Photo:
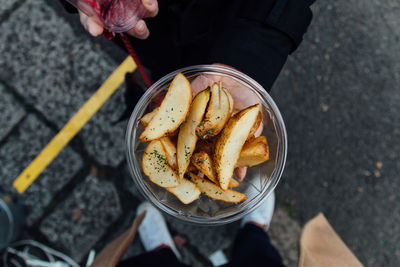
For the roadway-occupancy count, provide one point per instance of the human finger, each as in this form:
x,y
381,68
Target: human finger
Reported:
x,y
140,31
90,24
241,172
151,7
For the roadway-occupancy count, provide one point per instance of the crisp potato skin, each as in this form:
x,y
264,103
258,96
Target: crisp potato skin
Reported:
x,y
233,183
231,101
217,114
155,166
187,137
231,141
202,161
145,120
186,191
170,151
172,111
215,192
254,152
255,127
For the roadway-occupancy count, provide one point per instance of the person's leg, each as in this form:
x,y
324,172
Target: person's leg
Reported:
x,y
156,239
252,246
159,257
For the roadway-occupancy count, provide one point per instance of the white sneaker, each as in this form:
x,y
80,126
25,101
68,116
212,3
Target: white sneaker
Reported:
x,y
263,214
153,230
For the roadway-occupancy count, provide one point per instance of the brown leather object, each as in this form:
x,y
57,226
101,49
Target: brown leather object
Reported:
x,y
112,253
320,246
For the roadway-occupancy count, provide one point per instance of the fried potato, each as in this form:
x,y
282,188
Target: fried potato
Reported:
x,y
170,151
215,192
191,168
231,102
231,141
233,183
218,113
202,161
155,166
172,111
187,137
186,191
255,126
145,120
254,152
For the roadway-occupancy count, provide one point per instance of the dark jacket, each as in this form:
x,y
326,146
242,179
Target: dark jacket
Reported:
x,y
254,36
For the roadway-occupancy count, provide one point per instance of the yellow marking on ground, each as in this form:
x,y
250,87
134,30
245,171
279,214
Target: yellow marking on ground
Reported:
x,y
73,126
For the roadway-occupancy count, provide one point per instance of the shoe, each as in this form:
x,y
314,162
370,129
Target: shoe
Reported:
x,y
263,214
153,230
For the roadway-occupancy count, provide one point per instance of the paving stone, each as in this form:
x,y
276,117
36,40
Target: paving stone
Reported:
x,y
5,5
83,218
57,71
19,150
339,97
11,112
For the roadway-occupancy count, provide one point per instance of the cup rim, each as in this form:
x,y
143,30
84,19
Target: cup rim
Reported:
x,y
272,182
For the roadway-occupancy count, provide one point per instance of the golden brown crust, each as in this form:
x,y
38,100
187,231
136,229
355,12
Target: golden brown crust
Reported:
x,y
215,192
254,152
172,111
231,141
155,166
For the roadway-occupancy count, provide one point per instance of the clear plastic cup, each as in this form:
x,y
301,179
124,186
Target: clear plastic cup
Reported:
x,y
115,15
260,180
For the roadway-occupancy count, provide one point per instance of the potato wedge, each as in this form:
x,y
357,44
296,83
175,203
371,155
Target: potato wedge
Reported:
x,y
233,183
145,120
215,192
191,168
218,113
172,111
170,151
155,166
202,161
186,191
254,152
231,141
255,126
187,137
230,98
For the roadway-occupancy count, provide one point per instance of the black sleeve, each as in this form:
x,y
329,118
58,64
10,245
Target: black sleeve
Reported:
x,y
70,8
261,36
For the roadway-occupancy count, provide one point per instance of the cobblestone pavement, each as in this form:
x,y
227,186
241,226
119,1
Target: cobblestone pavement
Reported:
x,y
339,94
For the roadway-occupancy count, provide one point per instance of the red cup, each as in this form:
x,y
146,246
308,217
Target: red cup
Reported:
x,y
114,15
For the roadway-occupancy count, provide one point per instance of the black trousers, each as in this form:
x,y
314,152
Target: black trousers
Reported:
x,y
254,36
252,247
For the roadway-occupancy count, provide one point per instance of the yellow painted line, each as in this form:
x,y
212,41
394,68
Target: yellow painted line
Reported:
x,y
73,126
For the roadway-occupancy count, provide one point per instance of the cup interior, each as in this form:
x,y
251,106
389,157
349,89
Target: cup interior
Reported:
x,y
260,180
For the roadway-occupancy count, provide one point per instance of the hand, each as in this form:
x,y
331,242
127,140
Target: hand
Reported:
x,y
242,99
140,30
